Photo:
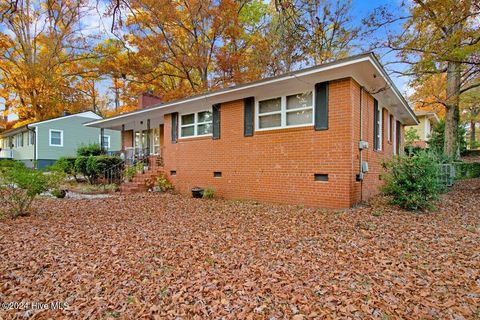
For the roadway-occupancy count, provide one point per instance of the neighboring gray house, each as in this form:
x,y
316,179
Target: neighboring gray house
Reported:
x,y
46,141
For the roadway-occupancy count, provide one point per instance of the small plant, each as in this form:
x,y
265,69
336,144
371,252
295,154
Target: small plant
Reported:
x,y
19,186
129,173
412,182
208,193
59,193
376,212
163,184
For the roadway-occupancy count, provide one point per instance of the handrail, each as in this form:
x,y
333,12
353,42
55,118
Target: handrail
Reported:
x,y
114,173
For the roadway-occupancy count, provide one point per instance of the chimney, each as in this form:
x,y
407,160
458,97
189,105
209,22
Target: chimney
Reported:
x,y
147,99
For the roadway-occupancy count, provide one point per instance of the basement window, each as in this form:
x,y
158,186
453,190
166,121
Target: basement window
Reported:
x,y
320,177
217,174
173,172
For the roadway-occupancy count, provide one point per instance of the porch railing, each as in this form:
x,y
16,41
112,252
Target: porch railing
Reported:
x,y
6,154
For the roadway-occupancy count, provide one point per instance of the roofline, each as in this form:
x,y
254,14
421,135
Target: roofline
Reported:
x,y
33,124
368,56
64,117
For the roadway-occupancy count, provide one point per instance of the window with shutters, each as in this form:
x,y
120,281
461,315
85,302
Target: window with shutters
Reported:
x,y
287,111
196,124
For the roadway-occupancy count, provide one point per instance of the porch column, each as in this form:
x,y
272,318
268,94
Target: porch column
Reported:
x,y
123,137
148,137
102,133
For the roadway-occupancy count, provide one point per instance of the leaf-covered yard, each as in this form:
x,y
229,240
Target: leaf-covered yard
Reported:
x,y
167,256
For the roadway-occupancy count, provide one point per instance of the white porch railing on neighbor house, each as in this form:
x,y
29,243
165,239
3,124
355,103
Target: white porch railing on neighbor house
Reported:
x,y
6,154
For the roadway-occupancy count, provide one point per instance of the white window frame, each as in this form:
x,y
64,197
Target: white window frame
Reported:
x,y
195,124
100,140
283,112
50,138
389,137
19,138
380,128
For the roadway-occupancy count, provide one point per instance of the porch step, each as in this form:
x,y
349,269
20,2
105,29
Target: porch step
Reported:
x,y
138,183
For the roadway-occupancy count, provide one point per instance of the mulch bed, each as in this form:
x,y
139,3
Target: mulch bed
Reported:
x,y
167,256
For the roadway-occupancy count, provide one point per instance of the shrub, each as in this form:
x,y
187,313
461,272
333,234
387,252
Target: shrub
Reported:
x,y
19,186
67,166
412,182
92,149
464,170
59,193
163,184
208,193
7,163
93,167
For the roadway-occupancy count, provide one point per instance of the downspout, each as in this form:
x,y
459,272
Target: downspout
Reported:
x,y
361,149
34,145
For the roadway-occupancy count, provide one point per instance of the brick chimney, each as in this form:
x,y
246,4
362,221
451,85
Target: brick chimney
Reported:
x,y
147,99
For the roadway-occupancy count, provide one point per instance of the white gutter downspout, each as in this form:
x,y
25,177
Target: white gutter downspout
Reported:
x,y
360,175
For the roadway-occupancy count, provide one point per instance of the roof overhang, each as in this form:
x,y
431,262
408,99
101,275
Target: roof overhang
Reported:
x,y
364,69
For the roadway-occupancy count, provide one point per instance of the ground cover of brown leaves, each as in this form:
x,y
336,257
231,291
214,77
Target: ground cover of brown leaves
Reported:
x,y
168,256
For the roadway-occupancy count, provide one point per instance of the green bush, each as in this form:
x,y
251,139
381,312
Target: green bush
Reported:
x,y
7,163
93,167
412,182
162,183
19,186
464,170
93,149
208,193
67,166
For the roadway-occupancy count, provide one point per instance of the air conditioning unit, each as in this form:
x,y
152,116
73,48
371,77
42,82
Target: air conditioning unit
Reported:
x,y
362,145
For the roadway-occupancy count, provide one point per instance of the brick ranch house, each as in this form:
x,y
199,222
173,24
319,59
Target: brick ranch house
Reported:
x,y
314,137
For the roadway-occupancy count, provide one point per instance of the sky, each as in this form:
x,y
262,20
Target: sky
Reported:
x,y
97,23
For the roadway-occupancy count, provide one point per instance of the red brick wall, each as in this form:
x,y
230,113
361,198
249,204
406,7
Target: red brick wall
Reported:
x,y
127,139
279,165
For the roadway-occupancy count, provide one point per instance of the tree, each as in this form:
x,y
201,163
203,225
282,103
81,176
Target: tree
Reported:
x,y
438,37
470,112
43,52
323,29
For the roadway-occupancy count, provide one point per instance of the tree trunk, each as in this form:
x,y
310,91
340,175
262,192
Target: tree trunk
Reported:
x,y
472,134
452,117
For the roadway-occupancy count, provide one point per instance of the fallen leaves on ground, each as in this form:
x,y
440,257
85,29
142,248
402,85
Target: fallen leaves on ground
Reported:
x,y
168,256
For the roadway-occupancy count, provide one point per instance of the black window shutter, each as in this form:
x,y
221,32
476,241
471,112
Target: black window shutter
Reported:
x,y
248,114
376,141
321,106
174,127
216,121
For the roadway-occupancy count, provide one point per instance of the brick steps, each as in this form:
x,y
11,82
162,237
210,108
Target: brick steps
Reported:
x,y
138,182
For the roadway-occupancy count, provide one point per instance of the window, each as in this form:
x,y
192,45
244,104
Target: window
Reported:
x,y
19,140
106,141
196,124
289,111
377,130
56,138
31,138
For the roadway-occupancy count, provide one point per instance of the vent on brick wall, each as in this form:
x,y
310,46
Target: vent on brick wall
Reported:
x,y
320,177
217,174
173,172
